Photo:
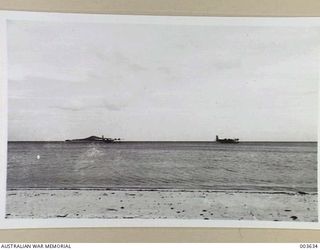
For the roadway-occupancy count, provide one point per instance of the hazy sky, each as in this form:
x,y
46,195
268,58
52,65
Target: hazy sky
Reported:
x,y
162,82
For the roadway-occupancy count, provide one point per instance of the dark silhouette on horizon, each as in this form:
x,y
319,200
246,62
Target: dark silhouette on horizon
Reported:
x,y
94,138
227,140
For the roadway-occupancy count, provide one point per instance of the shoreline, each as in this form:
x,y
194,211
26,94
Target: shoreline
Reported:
x,y
162,204
197,141
168,190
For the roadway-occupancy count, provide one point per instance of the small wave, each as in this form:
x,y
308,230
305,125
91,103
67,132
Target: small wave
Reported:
x,y
88,158
93,152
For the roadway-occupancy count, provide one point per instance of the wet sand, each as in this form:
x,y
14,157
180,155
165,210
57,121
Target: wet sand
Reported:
x,y
162,204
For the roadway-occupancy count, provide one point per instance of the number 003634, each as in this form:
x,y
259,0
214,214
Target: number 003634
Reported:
x,y
308,245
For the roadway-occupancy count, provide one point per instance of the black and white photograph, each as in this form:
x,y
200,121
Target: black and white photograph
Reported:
x,y
157,120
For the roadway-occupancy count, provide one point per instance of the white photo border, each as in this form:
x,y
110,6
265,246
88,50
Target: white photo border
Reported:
x,y
137,19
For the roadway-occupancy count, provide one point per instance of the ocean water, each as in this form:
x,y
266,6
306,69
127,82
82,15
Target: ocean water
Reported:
x,y
269,166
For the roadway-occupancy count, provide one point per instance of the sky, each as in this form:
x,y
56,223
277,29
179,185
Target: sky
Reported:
x,y
159,82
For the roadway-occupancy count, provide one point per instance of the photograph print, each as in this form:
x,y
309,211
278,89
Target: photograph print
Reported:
x,y
162,120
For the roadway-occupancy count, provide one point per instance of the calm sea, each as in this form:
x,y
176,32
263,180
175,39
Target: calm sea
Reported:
x,y
164,165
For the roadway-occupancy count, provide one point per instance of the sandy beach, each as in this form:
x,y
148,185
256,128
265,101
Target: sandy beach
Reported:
x,y
161,204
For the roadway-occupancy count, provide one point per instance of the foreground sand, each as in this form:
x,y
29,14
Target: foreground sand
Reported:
x,y
127,204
